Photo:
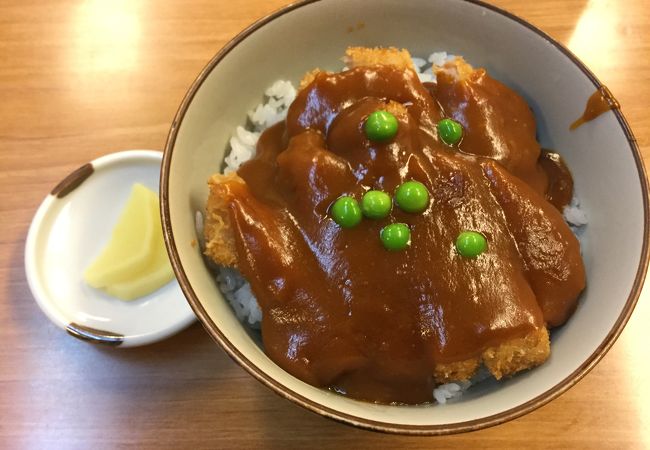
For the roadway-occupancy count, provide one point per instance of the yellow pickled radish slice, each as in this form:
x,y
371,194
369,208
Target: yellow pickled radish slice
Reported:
x,y
158,273
129,250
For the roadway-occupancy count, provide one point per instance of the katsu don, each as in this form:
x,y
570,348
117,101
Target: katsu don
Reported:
x,y
478,264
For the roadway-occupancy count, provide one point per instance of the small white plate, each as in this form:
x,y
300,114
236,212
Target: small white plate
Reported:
x,y
69,230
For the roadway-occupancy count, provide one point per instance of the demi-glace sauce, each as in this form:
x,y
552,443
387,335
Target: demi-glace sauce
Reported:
x,y
342,312
599,103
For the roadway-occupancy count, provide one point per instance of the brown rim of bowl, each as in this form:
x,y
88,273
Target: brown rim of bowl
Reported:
x,y
345,418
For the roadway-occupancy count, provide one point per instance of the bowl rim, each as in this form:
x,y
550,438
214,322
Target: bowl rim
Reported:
x,y
349,419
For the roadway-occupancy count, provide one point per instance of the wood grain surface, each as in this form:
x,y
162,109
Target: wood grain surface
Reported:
x,y
79,79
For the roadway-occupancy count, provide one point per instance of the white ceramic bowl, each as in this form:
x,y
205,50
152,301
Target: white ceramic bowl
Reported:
x,y
603,156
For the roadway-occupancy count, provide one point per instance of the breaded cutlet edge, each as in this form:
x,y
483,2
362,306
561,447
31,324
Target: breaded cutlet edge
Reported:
x,y
362,56
503,360
217,229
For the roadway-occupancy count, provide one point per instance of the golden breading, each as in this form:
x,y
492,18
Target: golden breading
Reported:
x,y
217,230
457,68
308,78
503,360
518,354
456,371
362,56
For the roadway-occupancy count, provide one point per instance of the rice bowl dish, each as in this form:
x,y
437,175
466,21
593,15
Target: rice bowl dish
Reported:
x,y
614,244
279,96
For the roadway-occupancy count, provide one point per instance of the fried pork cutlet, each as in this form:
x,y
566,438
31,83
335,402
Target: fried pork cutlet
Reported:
x,y
501,360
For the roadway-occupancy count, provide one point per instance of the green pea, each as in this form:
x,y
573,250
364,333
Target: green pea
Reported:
x,y
346,212
470,244
412,197
375,204
396,236
380,126
450,131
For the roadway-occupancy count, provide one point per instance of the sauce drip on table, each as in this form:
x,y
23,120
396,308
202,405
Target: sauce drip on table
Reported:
x,y
599,102
340,311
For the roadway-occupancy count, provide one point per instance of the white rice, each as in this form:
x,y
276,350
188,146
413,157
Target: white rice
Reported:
x,y
243,142
450,391
238,292
574,214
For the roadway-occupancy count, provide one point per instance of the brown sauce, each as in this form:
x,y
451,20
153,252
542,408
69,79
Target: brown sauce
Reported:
x,y
600,102
497,124
342,312
559,191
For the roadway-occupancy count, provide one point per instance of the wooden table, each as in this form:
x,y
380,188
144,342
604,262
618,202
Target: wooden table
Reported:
x,y
79,79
